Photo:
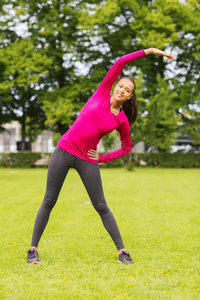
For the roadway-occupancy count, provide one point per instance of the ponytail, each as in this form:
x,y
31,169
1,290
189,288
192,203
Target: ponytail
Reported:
x,y
130,107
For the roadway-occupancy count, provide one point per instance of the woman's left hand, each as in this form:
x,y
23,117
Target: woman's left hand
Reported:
x,y
93,154
162,53
158,52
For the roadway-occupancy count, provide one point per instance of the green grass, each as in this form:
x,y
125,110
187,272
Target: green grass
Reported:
x,y
158,213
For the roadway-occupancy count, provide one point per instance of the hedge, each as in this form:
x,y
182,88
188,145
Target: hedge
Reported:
x,y
24,159
173,160
164,160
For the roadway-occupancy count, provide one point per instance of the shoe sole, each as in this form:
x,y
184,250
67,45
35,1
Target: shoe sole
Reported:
x,y
124,263
119,261
34,262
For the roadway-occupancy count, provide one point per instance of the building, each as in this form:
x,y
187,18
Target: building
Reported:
x,y
12,136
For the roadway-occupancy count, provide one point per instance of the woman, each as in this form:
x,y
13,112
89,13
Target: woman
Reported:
x,y
101,114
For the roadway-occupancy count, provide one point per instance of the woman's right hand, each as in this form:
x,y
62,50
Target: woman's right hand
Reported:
x,y
93,155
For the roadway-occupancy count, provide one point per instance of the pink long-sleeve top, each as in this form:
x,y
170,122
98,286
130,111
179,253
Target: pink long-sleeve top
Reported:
x,y
96,120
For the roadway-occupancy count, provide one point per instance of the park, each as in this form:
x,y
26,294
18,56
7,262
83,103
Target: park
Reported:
x,y
157,211
99,91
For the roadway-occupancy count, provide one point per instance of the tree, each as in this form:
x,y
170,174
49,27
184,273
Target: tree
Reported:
x,y
187,80
138,131
7,35
109,141
124,26
20,85
161,121
53,27
83,39
175,25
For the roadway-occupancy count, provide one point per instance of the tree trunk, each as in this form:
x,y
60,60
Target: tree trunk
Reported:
x,y
30,125
30,137
23,134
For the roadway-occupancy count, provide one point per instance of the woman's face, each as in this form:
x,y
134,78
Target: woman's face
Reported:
x,y
123,90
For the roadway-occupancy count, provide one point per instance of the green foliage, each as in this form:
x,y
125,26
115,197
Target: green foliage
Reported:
x,y
109,141
187,81
56,137
40,74
164,160
24,65
131,25
62,106
20,159
156,23
188,106
171,160
138,131
161,121
160,159
20,80
54,32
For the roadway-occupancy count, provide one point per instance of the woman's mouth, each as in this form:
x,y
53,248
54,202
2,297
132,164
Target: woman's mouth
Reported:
x,y
119,95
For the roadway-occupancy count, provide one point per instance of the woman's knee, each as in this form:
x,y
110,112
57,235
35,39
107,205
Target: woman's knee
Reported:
x,y
49,202
101,207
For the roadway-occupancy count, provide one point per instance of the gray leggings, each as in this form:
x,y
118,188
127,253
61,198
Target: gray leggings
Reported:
x,y
59,165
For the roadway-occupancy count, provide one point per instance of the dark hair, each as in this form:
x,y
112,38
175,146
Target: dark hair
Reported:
x,y
130,107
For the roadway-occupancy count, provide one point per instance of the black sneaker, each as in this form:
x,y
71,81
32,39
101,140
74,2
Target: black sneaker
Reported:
x,y
125,258
32,255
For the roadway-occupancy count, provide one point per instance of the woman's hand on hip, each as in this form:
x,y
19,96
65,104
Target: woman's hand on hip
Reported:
x,y
93,154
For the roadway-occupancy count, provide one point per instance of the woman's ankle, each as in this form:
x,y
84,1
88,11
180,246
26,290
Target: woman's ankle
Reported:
x,y
120,251
32,247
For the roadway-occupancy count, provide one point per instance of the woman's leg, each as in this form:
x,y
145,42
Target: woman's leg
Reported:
x,y
58,168
91,178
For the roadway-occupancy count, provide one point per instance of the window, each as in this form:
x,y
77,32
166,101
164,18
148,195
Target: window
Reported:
x,y
6,144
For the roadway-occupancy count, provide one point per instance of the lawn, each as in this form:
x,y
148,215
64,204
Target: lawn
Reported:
x,y
158,213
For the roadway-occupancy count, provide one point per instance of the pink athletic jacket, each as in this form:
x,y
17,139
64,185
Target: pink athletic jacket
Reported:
x,y
96,120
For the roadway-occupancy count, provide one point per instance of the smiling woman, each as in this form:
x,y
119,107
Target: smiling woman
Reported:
x,y
77,149
129,107
122,92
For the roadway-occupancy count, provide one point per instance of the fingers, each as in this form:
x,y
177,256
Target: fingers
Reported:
x,y
160,52
93,154
169,56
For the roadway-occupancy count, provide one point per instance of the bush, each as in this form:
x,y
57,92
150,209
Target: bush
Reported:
x,y
164,160
20,159
172,160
